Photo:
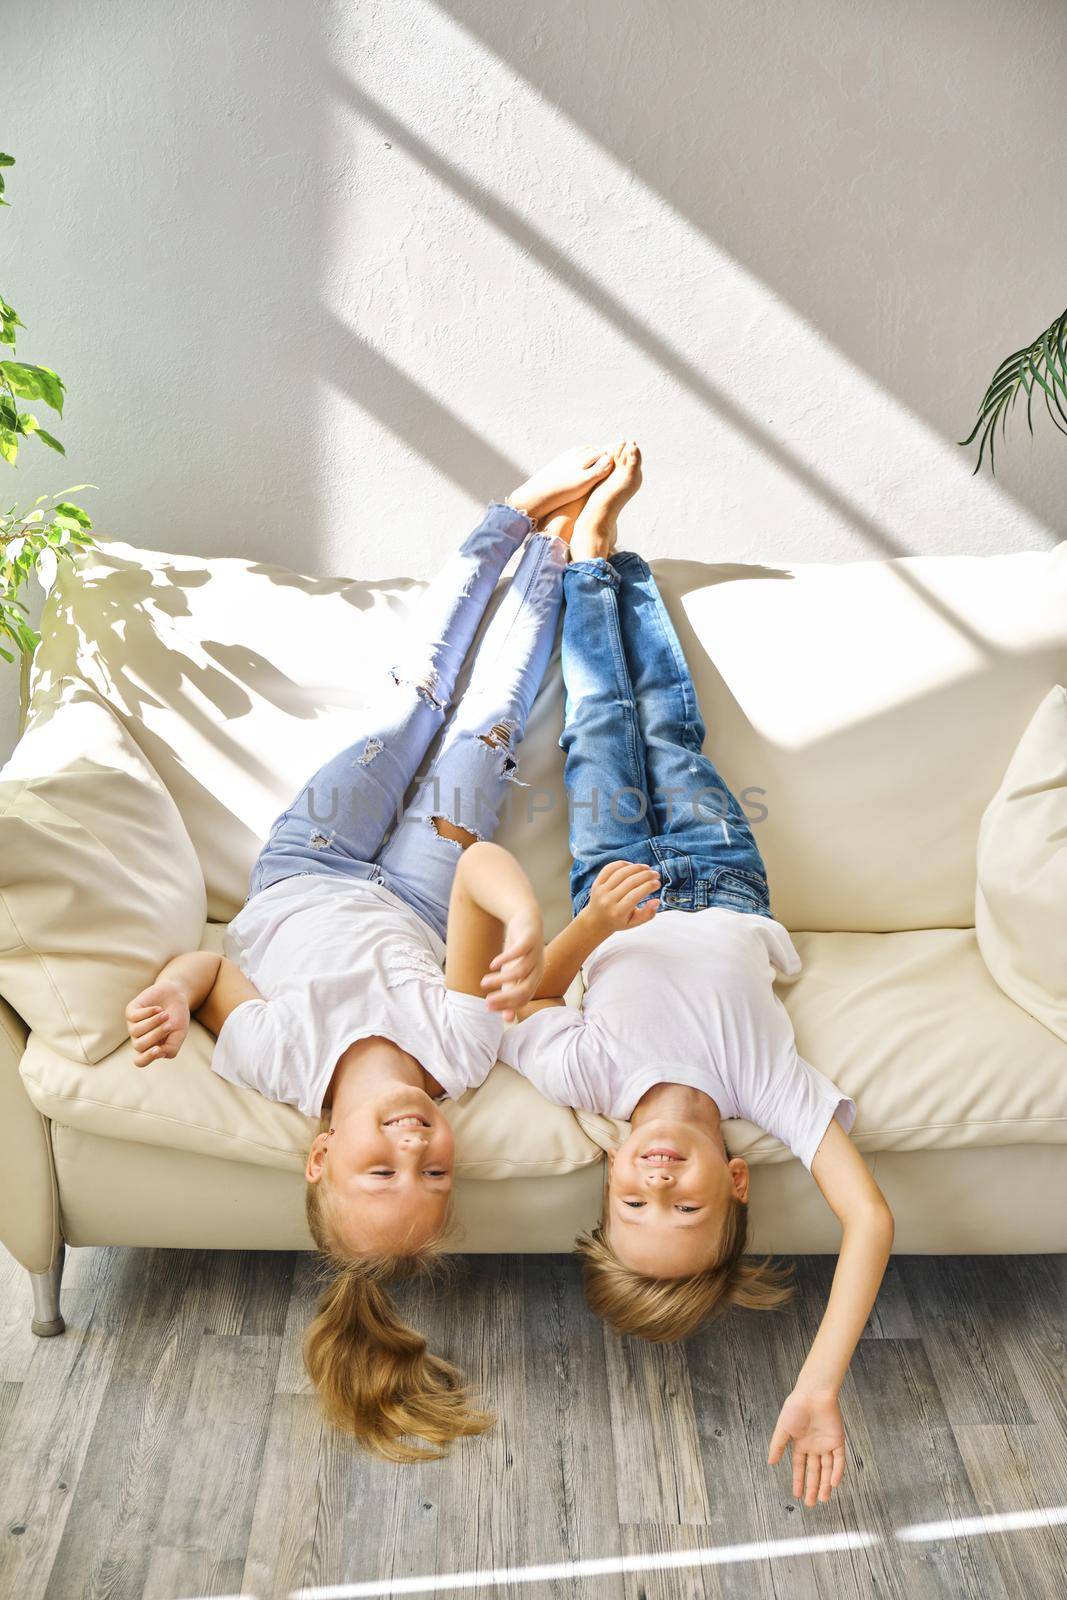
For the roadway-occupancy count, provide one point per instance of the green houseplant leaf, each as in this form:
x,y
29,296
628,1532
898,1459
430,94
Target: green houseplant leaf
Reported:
x,y
34,383
1040,367
34,542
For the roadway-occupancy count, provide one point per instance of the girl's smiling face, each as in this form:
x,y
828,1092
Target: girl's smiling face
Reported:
x,y
389,1162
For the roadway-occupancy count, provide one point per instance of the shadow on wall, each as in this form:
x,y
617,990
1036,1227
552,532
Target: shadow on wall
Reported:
x,y
428,427
411,413
879,167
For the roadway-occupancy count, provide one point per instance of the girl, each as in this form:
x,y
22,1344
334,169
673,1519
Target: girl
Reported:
x,y
330,995
681,1028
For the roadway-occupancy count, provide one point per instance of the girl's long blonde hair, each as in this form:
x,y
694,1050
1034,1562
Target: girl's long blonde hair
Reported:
x,y
376,1378
665,1309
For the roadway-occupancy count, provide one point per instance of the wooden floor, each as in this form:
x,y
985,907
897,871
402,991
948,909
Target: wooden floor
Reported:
x,y
167,1446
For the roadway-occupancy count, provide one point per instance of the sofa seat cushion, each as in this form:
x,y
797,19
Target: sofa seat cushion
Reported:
x,y
915,1029
503,1130
910,1024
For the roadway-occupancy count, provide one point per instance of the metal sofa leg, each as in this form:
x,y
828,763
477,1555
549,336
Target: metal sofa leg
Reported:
x,y
47,1320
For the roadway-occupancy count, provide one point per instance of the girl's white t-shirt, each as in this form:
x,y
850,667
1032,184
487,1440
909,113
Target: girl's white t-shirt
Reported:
x,y
336,961
688,998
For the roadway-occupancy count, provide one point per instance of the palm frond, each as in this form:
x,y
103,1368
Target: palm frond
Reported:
x,y
1040,367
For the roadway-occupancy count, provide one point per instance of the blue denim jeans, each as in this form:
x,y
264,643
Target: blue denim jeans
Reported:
x,y
349,818
638,784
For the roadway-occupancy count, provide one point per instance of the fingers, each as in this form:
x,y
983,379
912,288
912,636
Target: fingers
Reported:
x,y
646,913
620,879
506,1000
510,963
826,1468
616,873
630,900
812,1470
514,981
779,1440
507,1003
799,1463
141,1058
514,972
637,876
145,1041
495,983
612,872
135,1012
838,1471
517,958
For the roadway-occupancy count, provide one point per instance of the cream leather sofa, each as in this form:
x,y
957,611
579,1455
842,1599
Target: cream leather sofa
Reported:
x,y
865,711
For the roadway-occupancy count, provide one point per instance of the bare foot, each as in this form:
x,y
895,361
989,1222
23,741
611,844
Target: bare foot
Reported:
x,y
571,474
560,524
595,531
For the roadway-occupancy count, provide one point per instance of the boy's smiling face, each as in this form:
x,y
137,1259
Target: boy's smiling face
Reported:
x,y
669,1188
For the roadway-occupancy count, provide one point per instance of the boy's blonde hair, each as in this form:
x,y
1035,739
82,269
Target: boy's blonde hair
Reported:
x,y
375,1376
664,1309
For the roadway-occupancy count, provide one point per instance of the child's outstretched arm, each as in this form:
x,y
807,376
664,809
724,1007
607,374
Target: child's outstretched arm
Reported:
x,y
199,983
612,906
811,1416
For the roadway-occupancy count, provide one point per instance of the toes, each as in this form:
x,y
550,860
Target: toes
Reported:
x,y
631,458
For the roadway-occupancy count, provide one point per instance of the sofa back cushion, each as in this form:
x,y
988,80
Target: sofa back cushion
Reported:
x,y
1021,904
99,881
864,711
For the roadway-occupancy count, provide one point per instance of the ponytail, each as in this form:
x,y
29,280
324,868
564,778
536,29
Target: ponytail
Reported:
x,y
375,1376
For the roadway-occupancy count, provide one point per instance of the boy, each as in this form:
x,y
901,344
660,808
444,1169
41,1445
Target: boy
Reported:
x,y
680,1027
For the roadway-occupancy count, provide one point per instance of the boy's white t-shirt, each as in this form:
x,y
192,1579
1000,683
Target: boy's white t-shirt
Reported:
x,y
688,998
336,961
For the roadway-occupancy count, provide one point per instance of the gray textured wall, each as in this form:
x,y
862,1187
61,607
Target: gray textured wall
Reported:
x,y
322,278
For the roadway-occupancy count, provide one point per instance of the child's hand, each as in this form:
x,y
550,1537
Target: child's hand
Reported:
x,y
157,1021
813,1421
617,889
514,974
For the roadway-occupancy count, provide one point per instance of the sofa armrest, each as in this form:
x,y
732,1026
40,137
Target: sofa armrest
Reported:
x,y
29,1197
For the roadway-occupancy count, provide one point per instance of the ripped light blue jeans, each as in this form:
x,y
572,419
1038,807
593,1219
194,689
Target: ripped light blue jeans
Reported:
x,y
349,818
